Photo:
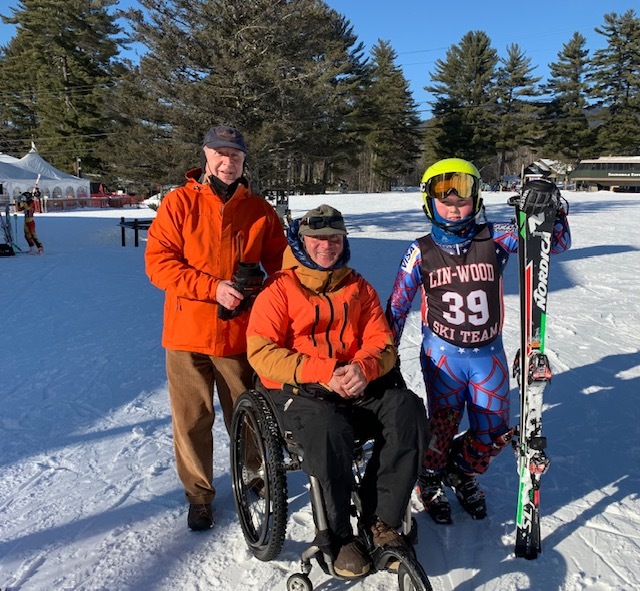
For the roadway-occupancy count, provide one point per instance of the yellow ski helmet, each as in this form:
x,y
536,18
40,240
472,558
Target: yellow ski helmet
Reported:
x,y
450,174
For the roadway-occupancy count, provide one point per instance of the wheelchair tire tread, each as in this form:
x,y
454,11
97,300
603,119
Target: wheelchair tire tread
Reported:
x,y
266,540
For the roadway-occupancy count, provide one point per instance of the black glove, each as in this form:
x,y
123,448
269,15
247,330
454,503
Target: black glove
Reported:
x,y
248,281
538,195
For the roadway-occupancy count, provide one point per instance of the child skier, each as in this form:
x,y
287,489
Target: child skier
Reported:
x,y
458,267
28,205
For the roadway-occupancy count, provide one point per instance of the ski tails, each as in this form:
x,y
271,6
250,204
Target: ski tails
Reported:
x,y
536,209
5,225
532,464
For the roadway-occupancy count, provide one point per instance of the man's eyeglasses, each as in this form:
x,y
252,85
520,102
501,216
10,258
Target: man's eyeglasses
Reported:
x,y
462,184
319,221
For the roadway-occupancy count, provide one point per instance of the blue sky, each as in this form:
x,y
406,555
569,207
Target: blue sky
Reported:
x,y
421,31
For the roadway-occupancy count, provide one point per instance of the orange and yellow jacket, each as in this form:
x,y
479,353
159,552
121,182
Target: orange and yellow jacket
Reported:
x,y
196,241
307,321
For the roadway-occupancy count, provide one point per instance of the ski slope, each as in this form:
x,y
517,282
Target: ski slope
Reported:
x,y
89,498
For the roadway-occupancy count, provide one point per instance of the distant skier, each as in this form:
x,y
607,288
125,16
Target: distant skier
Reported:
x,y
459,267
28,205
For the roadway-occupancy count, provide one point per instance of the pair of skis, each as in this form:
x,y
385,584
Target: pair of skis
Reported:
x,y
536,210
5,224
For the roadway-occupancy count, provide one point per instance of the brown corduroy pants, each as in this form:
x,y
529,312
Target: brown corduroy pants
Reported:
x,y
192,377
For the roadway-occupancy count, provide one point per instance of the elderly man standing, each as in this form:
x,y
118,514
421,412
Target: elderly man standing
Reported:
x,y
205,233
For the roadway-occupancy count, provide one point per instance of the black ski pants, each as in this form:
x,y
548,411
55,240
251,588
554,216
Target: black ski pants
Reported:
x,y
327,427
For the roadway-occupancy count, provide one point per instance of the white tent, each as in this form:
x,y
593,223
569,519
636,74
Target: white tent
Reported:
x,y
18,175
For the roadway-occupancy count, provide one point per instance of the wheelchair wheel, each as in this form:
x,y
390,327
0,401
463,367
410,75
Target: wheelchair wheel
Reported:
x,y
299,582
411,575
259,475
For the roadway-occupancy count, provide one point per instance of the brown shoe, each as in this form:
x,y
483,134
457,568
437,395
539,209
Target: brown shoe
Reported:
x,y
200,517
253,481
351,563
385,535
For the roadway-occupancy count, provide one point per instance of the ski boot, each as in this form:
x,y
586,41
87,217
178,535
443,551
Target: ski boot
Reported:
x,y
431,492
471,498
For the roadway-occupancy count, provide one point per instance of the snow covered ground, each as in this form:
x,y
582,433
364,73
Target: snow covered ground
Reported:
x,y
89,498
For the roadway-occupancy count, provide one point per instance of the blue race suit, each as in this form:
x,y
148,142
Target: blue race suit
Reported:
x,y
462,355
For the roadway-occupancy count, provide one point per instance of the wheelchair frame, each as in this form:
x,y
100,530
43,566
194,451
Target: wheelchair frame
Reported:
x,y
259,474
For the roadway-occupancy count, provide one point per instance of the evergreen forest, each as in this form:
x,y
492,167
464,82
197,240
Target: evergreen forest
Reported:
x,y
318,111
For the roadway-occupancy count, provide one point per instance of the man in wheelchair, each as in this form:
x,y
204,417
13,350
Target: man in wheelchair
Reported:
x,y
321,346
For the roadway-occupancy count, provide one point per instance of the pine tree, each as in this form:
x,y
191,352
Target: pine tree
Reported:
x,y
286,73
56,75
568,135
616,84
517,123
465,100
393,137
16,101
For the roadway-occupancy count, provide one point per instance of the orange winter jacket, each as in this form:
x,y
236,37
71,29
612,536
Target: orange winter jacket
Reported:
x,y
305,322
197,240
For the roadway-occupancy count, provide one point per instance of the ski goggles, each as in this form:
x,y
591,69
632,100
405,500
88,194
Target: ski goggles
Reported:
x,y
319,221
318,225
462,184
